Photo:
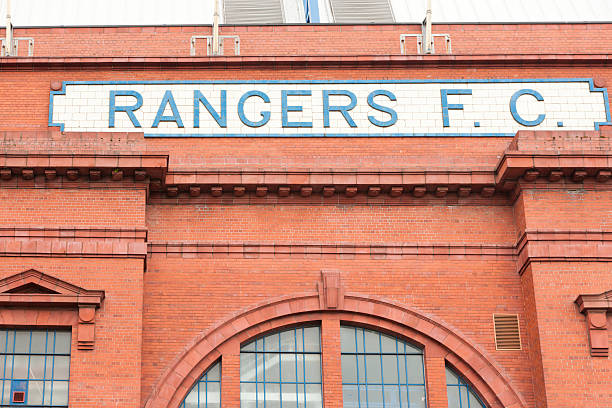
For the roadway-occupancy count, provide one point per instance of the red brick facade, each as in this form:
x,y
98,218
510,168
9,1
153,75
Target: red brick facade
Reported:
x,y
201,244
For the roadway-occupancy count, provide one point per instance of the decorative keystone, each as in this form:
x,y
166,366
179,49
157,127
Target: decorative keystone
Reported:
x,y
487,191
50,174
603,176
555,175
72,174
596,308
261,191
239,191
117,175
329,191
140,175
464,191
350,191
95,175
373,191
579,176
419,191
283,191
331,290
531,175
441,191
306,191
396,191
6,174
27,174
194,191
216,191
172,191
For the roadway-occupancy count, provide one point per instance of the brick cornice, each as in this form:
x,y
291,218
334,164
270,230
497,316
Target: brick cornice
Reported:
x,y
301,62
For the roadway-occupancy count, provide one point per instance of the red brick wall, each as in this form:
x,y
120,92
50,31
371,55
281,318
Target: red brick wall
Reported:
x,y
318,39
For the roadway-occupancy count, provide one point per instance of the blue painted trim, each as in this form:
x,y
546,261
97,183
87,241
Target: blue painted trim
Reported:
x,y
331,135
265,115
514,112
476,124
391,112
559,124
160,117
452,106
592,88
344,110
314,11
285,109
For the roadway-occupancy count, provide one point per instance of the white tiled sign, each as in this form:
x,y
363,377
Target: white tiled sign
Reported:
x,y
329,108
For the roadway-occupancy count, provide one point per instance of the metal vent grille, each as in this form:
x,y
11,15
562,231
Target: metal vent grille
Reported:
x,y
507,334
362,11
253,12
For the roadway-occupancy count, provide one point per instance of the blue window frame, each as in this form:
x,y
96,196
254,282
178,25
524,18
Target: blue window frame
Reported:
x,y
380,371
206,393
35,366
282,370
460,394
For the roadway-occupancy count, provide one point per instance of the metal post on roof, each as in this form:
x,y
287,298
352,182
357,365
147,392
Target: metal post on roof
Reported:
x,y
427,36
215,39
7,46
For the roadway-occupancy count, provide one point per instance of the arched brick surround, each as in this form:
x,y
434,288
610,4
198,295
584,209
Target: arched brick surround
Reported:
x,y
473,363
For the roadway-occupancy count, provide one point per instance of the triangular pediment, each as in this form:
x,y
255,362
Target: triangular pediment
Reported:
x,y
34,284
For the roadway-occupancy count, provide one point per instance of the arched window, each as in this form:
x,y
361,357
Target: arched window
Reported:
x,y
282,369
206,393
460,394
380,371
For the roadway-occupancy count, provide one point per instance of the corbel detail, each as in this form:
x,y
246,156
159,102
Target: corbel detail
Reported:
x,y
34,289
596,309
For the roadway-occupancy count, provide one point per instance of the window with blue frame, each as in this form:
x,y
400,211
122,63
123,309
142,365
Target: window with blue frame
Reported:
x,y
460,394
282,370
311,11
380,371
35,366
206,393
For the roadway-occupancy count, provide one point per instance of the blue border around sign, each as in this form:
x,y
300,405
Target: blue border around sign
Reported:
x,y
592,88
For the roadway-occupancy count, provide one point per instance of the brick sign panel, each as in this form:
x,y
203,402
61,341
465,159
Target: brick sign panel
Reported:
x,y
329,108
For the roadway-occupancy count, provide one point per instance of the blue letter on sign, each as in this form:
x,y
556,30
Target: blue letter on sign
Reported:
x,y
514,112
453,106
381,108
265,115
220,118
112,108
168,99
293,108
342,109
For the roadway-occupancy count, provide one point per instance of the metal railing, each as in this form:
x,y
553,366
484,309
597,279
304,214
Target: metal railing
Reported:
x,y
209,44
419,43
15,49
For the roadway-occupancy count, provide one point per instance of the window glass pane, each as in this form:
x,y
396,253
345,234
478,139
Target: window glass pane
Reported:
x,y
384,373
39,342
389,367
451,378
37,367
20,367
288,368
287,339
347,339
312,340
62,343
61,367
60,393
388,344
416,394
48,389
292,370
415,369
6,393
460,396
372,342
22,342
48,367
35,392
247,395
349,369
10,342
206,393
474,401
3,335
